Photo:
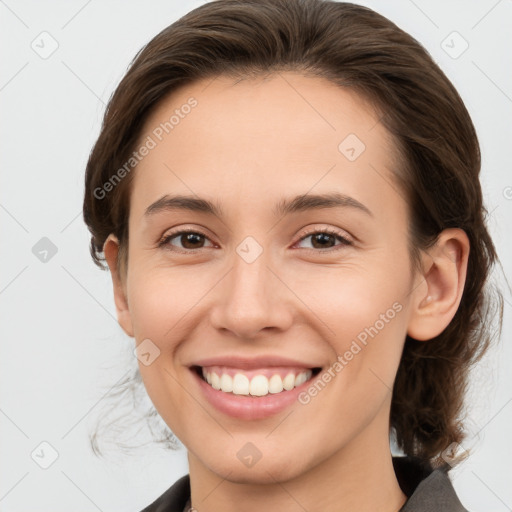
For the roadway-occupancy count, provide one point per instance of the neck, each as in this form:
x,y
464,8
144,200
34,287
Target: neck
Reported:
x,y
357,478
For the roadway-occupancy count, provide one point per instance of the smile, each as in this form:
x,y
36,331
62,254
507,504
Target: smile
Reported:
x,y
252,388
259,382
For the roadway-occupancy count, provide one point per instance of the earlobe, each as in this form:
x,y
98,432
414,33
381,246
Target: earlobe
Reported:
x,y
111,252
436,300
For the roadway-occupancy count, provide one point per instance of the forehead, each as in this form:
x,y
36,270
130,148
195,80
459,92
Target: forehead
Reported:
x,y
266,135
301,105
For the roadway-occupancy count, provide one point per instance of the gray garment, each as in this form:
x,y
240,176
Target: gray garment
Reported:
x,y
427,490
434,494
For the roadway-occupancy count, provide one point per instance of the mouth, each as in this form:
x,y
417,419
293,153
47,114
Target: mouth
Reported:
x,y
253,388
255,383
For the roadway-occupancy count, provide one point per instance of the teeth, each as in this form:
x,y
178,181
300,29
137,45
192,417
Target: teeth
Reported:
x,y
226,383
275,384
215,381
289,382
300,379
259,385
240,384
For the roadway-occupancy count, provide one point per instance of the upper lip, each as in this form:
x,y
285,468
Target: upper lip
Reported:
x,y
252,363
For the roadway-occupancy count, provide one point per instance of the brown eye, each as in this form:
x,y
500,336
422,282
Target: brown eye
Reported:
x,y
189,240
322,240
326,239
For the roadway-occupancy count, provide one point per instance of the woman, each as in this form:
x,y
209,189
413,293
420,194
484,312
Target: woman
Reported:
x,y
287,196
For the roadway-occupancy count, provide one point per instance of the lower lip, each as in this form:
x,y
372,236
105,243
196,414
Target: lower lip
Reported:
x,y
247,407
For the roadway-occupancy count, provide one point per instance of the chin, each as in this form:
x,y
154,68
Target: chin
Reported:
x,y
279,469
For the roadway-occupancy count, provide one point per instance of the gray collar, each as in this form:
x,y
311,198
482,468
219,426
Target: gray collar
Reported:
x,y
434,494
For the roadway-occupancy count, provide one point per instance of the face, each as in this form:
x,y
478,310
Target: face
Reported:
x,y
249,285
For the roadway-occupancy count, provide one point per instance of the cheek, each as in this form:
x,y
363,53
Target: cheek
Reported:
x,y
162,299
364,311
354,297
368,343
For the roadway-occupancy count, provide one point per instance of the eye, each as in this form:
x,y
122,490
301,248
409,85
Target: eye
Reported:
x,y
190,240
325,238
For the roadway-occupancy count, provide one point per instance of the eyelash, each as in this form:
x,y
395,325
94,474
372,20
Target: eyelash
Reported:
x,y
167,238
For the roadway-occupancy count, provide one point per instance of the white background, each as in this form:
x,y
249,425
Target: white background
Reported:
x,y
61,346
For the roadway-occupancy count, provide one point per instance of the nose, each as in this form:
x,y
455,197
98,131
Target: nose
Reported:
x,y
252,300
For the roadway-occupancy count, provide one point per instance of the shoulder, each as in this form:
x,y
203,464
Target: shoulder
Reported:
x,y
174,499
427,490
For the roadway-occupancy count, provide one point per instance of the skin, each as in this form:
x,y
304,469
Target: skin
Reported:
x,y
247,145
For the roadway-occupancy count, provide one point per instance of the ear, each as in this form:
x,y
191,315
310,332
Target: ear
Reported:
x,y
436,299
111,252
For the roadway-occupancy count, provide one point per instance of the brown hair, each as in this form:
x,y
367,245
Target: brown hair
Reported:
x,y
356,48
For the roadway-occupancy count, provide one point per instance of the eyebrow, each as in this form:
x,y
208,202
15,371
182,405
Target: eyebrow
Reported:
x,y
284,207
